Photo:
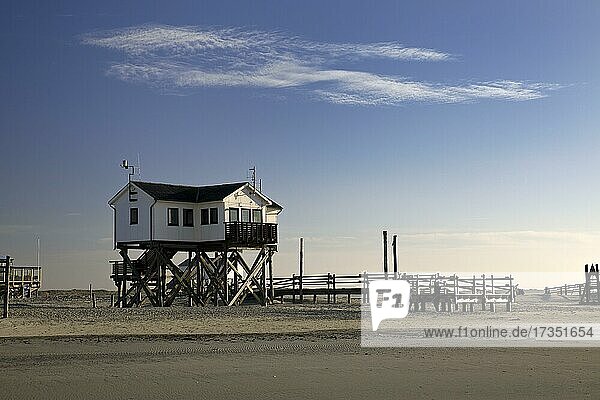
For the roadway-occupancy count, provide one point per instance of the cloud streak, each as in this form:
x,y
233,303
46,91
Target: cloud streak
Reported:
x,y
183,58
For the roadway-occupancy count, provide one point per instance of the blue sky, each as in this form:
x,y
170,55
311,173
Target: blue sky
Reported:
x,y
470,129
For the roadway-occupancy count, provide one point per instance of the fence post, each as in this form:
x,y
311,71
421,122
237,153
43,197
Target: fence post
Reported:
x,y
385,260
395,251
271,287
365,296
334,292
483,302
328,288
293,288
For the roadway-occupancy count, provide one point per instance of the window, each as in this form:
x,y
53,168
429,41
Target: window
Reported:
x,y
234,214
256,216
214,216
204,216
245,215
173,216
188,217
133,216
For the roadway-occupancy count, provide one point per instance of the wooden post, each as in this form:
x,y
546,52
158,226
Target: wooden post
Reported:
x,y
6,287
334,292
483,303
328,288
293,288
365,277
189,265
385,260
124,281
271,287
301,268
200,278
597,284
263,282
163,284
395,253
93,300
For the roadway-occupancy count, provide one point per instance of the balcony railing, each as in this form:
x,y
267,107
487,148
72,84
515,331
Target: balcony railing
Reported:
x,y
250,233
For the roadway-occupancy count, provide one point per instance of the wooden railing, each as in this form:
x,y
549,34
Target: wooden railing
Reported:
x,y
479,289
250,233
566,290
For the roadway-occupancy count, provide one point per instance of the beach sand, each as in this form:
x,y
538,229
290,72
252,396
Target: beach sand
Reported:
x,y
57,347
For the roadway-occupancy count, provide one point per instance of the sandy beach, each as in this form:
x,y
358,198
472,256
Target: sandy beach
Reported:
x,y
58,347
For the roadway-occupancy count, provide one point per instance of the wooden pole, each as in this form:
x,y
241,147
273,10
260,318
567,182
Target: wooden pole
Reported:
x,y
483,303
385,260
301,268
271,287
394,250
328,288
6,287
334,292
93,300
263,282
124,284
189,265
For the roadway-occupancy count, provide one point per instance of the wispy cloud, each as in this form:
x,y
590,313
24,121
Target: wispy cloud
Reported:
x,y
512,239
178,58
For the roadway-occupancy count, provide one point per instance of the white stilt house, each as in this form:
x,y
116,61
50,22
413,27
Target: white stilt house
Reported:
x,y
232,213
164,219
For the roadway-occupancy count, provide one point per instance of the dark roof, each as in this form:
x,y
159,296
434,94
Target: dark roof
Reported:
x,y
189,194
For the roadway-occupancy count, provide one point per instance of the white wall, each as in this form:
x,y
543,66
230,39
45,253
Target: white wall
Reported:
x,y
196,233
243,198
126,232
246,198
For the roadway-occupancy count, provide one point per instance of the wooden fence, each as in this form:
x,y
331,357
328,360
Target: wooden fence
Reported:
x,y
446,293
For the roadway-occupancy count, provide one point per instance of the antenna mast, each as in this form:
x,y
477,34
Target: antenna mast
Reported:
x,y
125,165
253,176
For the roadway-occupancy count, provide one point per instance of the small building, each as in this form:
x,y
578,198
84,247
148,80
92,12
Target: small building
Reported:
x,y
165,219
232,213
24,281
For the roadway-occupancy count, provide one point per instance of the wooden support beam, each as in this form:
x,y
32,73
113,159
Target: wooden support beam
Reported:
x,y
271,287
255,270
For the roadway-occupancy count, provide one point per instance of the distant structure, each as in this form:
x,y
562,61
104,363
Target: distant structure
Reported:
x,y
591,291
160,220
18,281
588,292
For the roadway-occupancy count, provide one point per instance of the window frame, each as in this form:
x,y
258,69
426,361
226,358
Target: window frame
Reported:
x,y
190,212
137,216
249,210
169,222
216,215
237,211
257,211
204,212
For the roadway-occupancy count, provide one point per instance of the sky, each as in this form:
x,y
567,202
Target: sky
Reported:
x,y
469,129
